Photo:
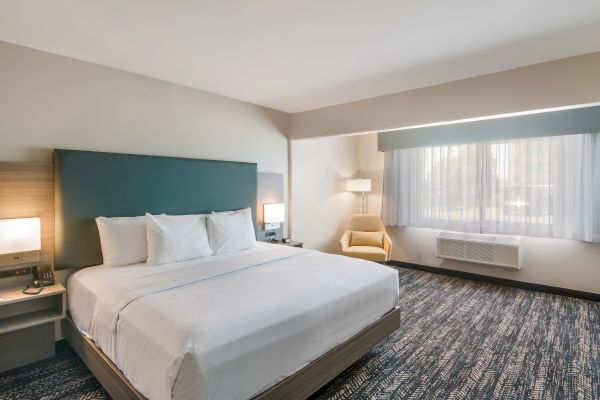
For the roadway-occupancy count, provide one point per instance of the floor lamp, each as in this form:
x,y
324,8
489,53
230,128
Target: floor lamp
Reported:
x,y
362,186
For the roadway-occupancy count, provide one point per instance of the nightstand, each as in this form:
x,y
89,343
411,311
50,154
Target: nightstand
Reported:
x,y
292,243
27,324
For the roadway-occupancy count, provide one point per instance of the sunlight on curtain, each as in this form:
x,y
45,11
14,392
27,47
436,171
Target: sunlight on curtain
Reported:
x,y
545,187
518,187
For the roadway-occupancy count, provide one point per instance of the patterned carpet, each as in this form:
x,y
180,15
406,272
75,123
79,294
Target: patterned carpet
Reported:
x,y
63,377
459,339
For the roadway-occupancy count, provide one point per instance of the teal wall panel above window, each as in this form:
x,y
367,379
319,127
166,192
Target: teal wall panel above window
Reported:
x,y
551,123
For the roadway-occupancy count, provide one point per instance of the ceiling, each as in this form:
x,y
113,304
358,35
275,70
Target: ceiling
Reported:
x,y
296,55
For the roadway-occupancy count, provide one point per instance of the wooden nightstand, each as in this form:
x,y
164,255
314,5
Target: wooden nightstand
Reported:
x,y
292,243
27,324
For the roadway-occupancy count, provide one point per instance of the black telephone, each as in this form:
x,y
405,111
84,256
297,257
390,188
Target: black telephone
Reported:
x,y
42,277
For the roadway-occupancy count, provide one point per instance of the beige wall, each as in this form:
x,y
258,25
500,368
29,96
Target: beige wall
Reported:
x,y
49,101
321,207
569,81
554,262
370,165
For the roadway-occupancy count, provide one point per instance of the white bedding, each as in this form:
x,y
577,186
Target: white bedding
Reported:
x,y
228,326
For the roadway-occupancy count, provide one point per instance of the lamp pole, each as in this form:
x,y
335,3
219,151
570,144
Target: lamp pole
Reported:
x,y
364,202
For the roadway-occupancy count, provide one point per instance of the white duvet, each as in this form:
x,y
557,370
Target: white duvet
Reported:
x,y
231,326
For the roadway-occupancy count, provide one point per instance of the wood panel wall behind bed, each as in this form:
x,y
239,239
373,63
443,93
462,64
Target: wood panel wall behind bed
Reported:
x,y
27,190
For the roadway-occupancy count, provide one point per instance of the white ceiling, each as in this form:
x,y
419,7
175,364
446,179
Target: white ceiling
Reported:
x,y
295,55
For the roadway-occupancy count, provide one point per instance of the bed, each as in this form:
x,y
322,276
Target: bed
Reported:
x,y
269,322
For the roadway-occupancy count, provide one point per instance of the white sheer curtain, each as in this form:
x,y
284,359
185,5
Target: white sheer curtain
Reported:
x,y
577,187
433,187
546,187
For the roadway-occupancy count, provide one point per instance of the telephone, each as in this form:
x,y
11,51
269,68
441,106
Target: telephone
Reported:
x,y
42,276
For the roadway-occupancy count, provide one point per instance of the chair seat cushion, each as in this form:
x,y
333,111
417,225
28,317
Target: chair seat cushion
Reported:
x,y
359,238
366,253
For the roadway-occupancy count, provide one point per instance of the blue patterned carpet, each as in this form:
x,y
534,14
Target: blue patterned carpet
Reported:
x,y
63,376
459,339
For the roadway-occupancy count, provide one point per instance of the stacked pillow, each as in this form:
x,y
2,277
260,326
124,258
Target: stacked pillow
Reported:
x,y
174,238
231,231
161,239
123,240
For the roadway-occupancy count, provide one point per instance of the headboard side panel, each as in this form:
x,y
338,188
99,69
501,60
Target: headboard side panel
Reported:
x,y
27,190
92,184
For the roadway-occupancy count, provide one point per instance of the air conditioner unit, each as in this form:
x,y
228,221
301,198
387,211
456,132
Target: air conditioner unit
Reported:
x,y
499,250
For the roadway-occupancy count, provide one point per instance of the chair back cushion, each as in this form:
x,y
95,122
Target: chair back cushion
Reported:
x,y
366,223
373,239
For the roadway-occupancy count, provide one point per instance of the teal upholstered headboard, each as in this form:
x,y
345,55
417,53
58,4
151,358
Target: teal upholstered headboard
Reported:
x,y
92,184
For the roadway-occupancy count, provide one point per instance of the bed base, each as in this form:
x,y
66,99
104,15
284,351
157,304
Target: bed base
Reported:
x,y
298,386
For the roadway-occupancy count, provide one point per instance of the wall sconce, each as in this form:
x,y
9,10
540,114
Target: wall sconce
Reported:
x,y
274,215
20,241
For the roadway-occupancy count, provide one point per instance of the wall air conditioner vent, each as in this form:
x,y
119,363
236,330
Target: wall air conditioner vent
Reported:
x,y
499,250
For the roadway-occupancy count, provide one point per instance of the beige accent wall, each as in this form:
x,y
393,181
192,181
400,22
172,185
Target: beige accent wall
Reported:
x,y
569,81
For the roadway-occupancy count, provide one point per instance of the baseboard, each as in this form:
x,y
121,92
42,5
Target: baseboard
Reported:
x,y
500,281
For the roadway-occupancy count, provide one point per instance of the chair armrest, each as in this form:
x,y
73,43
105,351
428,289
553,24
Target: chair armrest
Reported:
x,y
387,244
345,240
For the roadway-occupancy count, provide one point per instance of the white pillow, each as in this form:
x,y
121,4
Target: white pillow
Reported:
x,y
123,240
174,238
231,231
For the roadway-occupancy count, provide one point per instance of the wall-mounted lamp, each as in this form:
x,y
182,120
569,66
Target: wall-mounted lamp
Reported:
x,y
20,241
359,185
274,215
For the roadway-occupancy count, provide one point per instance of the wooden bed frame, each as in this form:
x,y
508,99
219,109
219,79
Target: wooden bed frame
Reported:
x,y
298,386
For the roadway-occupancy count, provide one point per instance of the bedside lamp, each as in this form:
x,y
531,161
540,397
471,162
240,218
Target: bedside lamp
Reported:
x,y
274,215
20,241
359,185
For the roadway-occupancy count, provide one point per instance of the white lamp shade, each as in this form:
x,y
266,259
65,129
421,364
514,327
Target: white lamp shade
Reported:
x,y
20,235
358,185
274,213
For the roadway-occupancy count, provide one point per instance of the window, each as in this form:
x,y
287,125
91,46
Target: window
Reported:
x,y
540,187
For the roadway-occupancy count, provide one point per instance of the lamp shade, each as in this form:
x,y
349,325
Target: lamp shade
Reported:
x,y
274,213
358,185
20,235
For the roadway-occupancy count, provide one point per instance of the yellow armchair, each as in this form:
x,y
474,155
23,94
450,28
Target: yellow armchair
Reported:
x,y
368,246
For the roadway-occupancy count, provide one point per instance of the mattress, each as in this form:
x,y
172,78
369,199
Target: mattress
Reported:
x,y
228,326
